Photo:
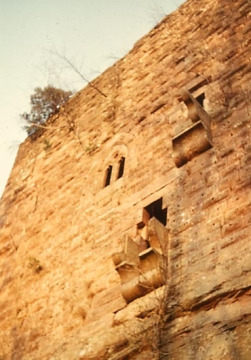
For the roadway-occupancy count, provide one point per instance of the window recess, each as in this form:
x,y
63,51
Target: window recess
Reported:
x,y
121,167
108,176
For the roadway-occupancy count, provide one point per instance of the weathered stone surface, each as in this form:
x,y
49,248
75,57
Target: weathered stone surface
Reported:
x,y
61,222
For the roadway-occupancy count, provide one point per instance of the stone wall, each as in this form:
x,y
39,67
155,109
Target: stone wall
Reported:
x,y
176,112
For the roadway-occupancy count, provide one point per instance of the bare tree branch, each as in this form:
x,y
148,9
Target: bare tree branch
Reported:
x,y
74,68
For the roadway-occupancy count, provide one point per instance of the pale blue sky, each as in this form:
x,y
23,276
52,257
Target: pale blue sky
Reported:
x,y
91,33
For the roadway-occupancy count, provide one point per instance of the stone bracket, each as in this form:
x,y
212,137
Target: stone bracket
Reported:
x,y
197,138
141,271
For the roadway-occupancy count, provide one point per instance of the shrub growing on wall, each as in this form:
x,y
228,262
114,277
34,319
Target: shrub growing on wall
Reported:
x,y
44,102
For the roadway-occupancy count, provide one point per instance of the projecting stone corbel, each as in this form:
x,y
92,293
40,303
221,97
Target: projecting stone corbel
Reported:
x,y
142,271
129,255
197,138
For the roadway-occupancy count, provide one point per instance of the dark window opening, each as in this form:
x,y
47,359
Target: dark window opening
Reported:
x,y
108,175
121,167
201,99
155,210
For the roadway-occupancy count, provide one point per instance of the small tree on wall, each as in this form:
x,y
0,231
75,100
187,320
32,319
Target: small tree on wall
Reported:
x,y
44,103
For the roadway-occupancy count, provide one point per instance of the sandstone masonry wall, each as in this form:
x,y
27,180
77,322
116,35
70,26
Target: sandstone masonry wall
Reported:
x,y
60,225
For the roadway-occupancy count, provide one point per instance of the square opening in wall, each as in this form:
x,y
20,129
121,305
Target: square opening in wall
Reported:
x,y
155,210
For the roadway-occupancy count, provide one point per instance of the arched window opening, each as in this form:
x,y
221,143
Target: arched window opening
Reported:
x,y
108,175
121,167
